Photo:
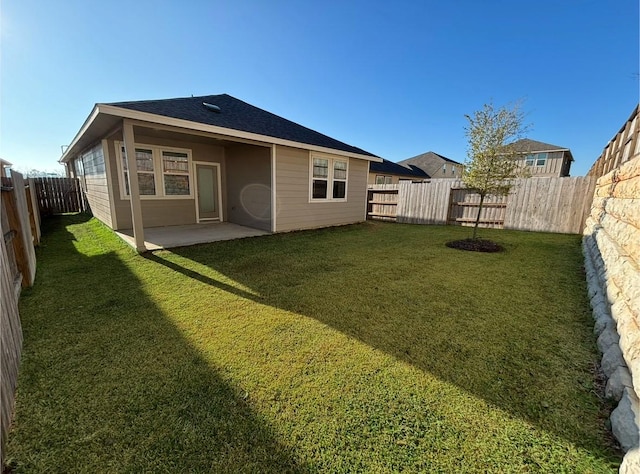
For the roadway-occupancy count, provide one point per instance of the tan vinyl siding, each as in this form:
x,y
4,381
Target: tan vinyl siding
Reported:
x,y
95,184
249,186
159,212
294,211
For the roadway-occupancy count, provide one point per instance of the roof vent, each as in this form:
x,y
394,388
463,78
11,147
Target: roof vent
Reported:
x,y
211,107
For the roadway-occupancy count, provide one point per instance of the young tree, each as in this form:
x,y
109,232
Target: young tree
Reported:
x,y
492,160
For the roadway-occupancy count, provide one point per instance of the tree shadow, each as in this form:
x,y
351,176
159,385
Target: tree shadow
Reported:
x,y
486,357
108,383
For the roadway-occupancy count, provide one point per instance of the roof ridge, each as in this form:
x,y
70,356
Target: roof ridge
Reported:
x,y
146,101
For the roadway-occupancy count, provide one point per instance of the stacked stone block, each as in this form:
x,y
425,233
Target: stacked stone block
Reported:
x,y
611,246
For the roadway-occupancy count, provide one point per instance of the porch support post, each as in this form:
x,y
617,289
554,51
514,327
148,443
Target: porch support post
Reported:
x,y
274,203
134,189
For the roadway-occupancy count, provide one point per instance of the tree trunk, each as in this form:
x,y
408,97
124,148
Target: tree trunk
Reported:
x,y
475,227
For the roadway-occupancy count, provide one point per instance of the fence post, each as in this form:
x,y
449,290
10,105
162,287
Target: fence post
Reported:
x,y
14,204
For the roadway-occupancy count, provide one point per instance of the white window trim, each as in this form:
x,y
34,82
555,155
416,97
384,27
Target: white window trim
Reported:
x,y
158,172
330,179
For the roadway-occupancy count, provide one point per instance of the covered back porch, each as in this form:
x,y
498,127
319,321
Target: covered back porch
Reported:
x,y
201,187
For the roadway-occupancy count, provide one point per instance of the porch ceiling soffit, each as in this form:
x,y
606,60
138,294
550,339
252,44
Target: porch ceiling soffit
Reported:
x,y
178,133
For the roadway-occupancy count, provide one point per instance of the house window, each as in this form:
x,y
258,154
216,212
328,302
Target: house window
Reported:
x,y
339,179
537,159
380,179
541,160
175,167
162,172
320,178
328,178
144,164
444,169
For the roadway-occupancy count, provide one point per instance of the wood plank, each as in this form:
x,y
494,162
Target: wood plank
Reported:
x,y
380,214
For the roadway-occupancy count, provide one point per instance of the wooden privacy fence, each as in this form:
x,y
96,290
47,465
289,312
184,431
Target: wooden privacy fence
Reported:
x,y
382,202
536,204
11,340
59,195
20,225
464,204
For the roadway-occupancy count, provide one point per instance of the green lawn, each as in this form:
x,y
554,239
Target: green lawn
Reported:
x,y
366,348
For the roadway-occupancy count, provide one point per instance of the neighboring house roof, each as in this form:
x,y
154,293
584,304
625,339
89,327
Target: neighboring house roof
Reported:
x,y
430,162
526,145
389,167
238,115
215,113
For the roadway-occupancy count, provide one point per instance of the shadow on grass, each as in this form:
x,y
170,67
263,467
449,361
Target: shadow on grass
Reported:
x,y
521,363
107,383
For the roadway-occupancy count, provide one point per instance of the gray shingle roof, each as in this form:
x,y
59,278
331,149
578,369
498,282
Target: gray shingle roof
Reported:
x,y
430,162
237,115
528,145
390,167
427,157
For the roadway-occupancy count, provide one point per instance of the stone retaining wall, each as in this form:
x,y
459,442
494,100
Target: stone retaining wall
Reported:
x,y
611,246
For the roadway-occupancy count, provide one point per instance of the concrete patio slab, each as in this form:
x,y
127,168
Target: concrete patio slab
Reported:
x,y
158,238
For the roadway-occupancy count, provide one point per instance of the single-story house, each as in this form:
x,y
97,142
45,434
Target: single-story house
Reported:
x,y
388,172
435,165
542,159
213,159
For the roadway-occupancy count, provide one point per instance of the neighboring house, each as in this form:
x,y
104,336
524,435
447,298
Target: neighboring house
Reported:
x,y
542,159
4,166
435,165
214,158
388,172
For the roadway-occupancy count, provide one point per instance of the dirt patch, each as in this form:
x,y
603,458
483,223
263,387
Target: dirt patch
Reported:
x,y
475,245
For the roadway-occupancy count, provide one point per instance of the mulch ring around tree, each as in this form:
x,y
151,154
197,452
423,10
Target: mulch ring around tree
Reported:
x,y
475,245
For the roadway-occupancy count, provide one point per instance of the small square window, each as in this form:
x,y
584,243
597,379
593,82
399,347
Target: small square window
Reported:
x,y
319,189
339,189
541,159
320,168
529,160
340,170
175,162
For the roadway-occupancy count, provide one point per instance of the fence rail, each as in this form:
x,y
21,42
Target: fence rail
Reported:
x,y
536,204
59,195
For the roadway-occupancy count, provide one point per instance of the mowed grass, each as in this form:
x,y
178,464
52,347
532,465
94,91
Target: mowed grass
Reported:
x,y
366,348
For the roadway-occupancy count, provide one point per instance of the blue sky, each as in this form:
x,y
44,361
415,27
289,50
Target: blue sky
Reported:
x,y
394,78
